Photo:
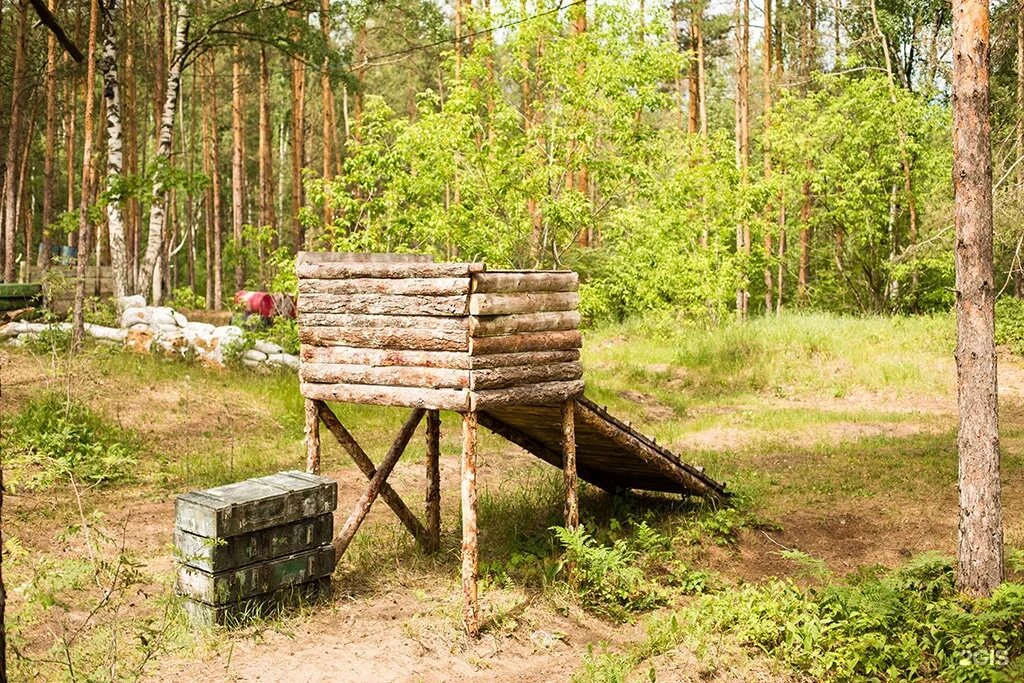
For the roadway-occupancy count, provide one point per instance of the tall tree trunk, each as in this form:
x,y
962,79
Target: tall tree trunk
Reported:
x,y
767,76
131,126
742,140
327,105
702,81
157,213
266,160
14,143
298,148
980,565
214,209
84,226
111,91
580,179
1020,97
49,148
237,179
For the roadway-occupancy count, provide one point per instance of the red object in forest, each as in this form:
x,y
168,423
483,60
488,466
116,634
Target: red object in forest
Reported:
x,y
265,304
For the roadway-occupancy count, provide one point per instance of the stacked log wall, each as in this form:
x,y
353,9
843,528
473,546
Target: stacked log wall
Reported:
x,y
447,336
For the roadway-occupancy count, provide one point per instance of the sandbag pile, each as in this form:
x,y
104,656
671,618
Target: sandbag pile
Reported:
x,y
161,329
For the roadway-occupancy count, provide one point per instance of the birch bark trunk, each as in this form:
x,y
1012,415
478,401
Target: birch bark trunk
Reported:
x,y
157,209
111,91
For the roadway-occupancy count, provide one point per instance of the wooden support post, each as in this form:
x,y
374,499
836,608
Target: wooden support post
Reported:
x,y
362,507
470,608
433,481
572,504
312,436
366,466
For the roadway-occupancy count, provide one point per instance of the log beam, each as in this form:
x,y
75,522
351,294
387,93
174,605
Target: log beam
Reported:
x,y
362,507
470,550
312,436
433,499
571,484
366,466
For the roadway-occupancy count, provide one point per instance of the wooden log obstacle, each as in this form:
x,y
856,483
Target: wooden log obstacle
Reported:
x,y
501,348
254,544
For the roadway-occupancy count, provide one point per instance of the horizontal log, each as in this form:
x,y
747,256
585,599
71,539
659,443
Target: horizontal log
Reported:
x,y
349,269
420,322
386,338
504,360
490,326
414,397
354,257
382,304
522,302
547,393
395,375
499,378
428,286
526,281
384,357
529,341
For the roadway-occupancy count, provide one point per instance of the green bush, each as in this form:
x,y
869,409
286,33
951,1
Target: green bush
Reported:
x,y
608,579
53,438
1010,323
184,297
902,625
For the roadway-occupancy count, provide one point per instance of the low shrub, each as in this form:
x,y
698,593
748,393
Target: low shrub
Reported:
x,y
53,438
1010,323
902,625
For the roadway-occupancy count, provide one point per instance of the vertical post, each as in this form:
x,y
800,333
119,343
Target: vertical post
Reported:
x,y
572,504
470,607
433,481
312,436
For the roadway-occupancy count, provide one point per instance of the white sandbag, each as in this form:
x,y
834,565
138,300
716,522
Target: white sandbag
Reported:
x,y
123,303
268,348
180,320
284,360
136,315
110,334
255,356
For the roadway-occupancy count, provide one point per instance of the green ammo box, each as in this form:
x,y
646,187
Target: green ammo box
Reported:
x,y
260,543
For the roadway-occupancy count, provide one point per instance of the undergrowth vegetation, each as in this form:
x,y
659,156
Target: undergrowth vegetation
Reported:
x,y
54,438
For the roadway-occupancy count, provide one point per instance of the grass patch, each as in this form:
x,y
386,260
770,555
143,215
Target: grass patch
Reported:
x,y
54,438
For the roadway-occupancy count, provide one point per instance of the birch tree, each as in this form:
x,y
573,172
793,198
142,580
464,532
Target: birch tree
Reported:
x,y
157,209
111,92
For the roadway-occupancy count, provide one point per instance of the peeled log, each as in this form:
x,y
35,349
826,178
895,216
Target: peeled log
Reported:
x,y
435,399
522,302
548,393
537,281
386,338
525,322
360,257
425,322
531,341
498,378
350,269
399,376
386,357
382,304
449,286
504,360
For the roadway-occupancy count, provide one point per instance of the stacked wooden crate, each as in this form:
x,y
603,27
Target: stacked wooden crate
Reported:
x,y
448,336
245,547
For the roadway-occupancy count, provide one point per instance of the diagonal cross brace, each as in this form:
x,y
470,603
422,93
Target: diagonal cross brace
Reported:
x,y
378,478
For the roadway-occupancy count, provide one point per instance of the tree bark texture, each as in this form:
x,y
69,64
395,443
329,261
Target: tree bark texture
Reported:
x,y
980,565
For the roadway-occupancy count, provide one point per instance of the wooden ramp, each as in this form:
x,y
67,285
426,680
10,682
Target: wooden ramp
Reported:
x,y
609,453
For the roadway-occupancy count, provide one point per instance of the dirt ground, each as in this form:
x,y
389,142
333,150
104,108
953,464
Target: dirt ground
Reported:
x,y
406,628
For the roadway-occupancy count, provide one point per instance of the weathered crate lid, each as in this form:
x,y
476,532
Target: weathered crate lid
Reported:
x,y
255,504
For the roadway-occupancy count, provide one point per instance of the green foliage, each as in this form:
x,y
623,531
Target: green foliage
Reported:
x,y
54,340
901,625
1010,323
54,438
607,578
185,297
